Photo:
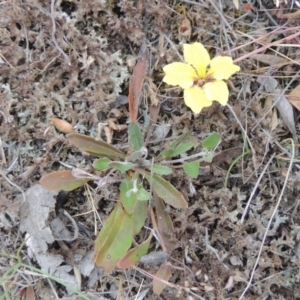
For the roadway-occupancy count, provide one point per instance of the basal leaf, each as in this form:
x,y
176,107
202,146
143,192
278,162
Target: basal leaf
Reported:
x,y
132,257
164,273
102,164
192,168
165,190
135,137
164,223
114,239
93,147
211,141
139,215
103,234
61,180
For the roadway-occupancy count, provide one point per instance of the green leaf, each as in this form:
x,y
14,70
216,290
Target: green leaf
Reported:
x,y
211,141
192,168
139,216
184,147
102,164
62,180
184,143
114,239
143,195
164,190
208,157
128,193
122,166
135,139
93,147
132,257
161,170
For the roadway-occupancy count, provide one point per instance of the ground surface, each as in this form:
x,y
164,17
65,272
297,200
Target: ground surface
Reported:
x,y
73,61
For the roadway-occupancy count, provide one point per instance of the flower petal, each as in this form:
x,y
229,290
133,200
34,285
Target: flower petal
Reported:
x,y
217,91
195,99
197,56
222,67
179,74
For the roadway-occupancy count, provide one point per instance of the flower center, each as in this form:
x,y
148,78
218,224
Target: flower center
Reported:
x,y
200,82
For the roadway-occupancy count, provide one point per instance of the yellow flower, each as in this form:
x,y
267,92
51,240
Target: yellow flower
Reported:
x,y
201,86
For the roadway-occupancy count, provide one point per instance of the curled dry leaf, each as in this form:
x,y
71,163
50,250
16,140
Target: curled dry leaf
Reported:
x,y
100,128
114,112
62,125
109,134
152,92
294,97
114,126
130,61
282,104
185,28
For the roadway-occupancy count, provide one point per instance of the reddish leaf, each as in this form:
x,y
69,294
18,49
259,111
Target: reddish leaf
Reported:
x,y
93,147
135,86
164,223
132,257
61,180
164,273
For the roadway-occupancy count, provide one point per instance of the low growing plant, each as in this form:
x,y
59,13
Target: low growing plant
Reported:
x,y
142,180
